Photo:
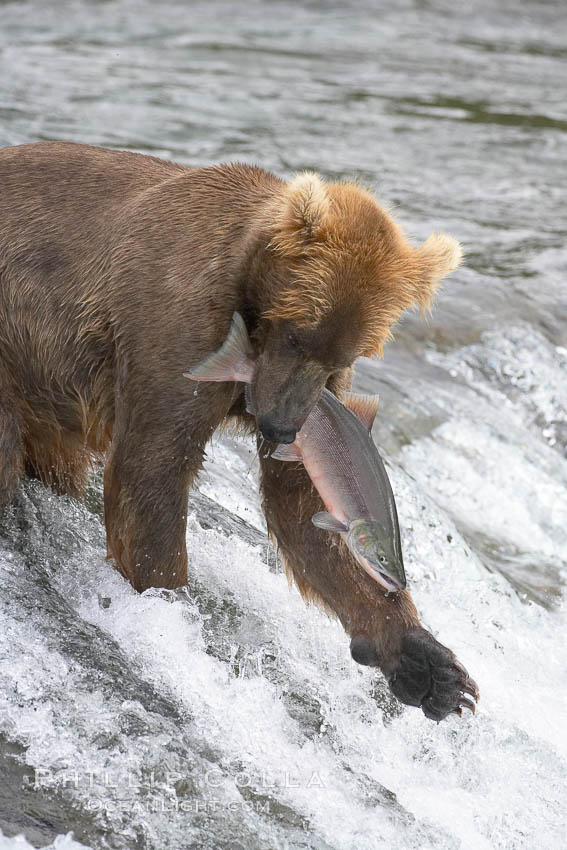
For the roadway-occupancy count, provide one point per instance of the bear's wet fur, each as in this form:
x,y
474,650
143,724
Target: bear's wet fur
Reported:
x,y
120,271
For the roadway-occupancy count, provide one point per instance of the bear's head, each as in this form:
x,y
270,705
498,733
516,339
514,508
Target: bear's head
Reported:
x,y
337,274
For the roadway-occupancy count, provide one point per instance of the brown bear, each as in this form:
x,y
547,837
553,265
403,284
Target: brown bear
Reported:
x,y
120,271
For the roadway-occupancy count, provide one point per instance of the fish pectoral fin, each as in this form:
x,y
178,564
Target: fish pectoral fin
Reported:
x,y
328,522
364,407
287,451
232,362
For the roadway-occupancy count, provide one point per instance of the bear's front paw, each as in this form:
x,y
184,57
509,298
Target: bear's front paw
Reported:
x,y
430,676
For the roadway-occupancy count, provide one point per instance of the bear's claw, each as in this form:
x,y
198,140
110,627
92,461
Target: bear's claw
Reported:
x,y
430,676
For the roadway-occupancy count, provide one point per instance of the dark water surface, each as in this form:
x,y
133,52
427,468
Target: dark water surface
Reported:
x,y
229,715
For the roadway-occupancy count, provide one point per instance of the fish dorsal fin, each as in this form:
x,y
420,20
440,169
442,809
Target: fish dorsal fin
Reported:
x,y
287,451
364,407
233,360
328,522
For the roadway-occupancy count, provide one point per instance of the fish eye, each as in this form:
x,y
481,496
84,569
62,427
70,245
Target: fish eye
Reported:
x,y
383,559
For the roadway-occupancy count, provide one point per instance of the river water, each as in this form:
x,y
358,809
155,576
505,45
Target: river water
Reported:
x,y
229,715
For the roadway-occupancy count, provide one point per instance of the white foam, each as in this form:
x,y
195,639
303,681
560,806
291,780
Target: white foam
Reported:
x,y
19,842
464,781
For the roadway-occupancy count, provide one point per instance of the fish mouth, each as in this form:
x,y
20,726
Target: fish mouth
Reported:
x,y
389,582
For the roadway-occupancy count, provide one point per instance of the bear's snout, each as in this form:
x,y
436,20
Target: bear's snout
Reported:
x,y
276,432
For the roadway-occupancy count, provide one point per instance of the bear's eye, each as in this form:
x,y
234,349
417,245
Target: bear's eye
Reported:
x,y
293,340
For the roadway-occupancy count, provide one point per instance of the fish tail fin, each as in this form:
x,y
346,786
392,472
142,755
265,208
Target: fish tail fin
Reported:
x,y
233,360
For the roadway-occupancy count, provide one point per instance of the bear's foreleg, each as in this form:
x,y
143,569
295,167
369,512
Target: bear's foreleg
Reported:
x,y
384,628
145,511
158,443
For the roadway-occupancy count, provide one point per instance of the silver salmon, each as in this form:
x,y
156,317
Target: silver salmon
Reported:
x,y
336,447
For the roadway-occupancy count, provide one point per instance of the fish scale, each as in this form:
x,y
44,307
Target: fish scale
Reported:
x,y
335,438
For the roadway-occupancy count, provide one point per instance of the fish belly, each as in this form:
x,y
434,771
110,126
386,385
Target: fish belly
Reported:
x,y
326,487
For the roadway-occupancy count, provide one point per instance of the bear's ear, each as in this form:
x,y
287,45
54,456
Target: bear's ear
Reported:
x,y
302,214
439,255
